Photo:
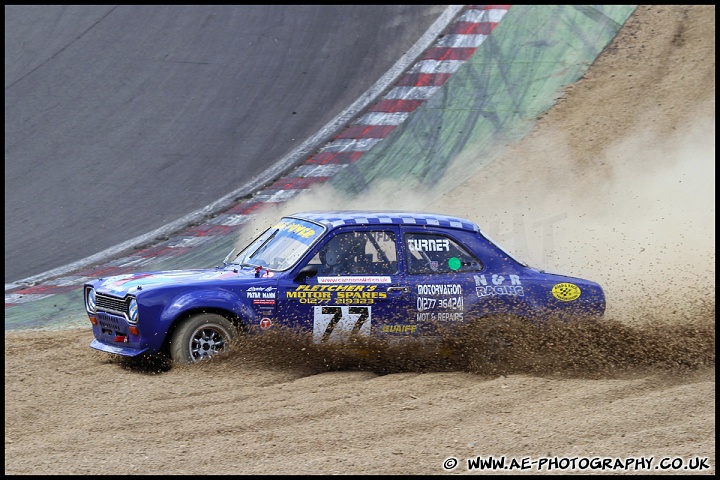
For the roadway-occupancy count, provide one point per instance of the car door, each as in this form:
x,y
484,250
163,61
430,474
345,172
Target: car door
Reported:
x,y
441,275
362,297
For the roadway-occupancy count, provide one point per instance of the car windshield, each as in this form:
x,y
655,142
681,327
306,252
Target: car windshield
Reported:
x,y
280,246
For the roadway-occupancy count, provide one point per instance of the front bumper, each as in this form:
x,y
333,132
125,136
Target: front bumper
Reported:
x,y
118,349
112,335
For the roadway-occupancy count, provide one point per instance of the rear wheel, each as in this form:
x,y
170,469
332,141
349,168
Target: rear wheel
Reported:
x,y
200,337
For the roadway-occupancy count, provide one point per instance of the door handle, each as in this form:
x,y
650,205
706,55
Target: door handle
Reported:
x,y
399,289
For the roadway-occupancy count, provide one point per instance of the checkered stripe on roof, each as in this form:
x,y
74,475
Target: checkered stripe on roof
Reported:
x,y
333,220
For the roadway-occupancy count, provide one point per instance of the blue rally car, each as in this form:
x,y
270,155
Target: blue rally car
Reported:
x,y
332,275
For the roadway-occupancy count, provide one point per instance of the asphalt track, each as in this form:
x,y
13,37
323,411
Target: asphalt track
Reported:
x,y
515,75
123,119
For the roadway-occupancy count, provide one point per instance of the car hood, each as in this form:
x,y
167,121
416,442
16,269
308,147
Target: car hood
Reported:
x,y
120,285
560,277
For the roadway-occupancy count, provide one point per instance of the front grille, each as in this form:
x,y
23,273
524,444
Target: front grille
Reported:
x,y
111,304
108,321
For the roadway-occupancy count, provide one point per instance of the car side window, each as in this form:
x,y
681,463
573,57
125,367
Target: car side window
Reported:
x,y
367,252
432,253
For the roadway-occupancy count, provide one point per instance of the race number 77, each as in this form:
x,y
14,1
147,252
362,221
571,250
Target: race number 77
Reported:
x,y
344,321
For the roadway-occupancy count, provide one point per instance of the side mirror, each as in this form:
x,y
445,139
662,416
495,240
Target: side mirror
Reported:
x,y
306,272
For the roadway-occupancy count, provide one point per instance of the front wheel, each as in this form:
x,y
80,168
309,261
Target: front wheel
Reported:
x,y
200,337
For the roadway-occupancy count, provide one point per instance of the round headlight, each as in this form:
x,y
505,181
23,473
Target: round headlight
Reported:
x,y
90,303
133,311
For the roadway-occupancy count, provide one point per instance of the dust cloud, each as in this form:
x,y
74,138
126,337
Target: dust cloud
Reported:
x,y
638,218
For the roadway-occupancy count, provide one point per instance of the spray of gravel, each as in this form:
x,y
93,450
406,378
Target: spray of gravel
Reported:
x,y
639,219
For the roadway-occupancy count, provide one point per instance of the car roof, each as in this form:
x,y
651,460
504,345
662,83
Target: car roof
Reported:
x,y
338,218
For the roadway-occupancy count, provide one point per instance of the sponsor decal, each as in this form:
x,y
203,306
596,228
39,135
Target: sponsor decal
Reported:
x,y
496,279
439,317
497,285
265,323
399,329
500,290
263,301
439,296
566,292
296,228
259,292
261,289
428,303
309,297
358,279
343,294
429,245
440,289
454,263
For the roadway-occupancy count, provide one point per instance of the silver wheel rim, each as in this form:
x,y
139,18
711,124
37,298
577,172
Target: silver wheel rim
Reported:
x,y
207,341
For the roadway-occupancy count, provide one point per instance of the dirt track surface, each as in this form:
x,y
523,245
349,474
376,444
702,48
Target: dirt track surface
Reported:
x,y
640,383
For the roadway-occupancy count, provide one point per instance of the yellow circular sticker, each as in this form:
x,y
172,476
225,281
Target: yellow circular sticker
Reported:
x,y
566,292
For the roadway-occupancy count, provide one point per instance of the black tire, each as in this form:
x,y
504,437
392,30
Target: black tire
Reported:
x,y
200,337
